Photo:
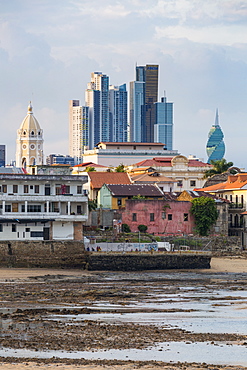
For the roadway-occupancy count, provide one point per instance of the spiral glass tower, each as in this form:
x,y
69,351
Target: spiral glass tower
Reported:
x,y
215,145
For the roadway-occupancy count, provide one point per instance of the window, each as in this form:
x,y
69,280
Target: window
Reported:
x,y
25,189
7,207
163,216
230,198
79,189
1,228
13,228
4,188
186,217
31,186
31,208
134,218
36,234
27,229
192,183
169,217
151,215
180,183
225,196
119,202
36,189
15,188
79,210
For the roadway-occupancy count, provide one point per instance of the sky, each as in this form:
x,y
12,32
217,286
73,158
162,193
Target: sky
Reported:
x,y
49,48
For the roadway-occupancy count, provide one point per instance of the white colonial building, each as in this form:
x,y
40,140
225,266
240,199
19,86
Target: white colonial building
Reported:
x,y
42,207
29,143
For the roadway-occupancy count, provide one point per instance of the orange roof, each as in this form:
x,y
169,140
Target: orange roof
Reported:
x,y
147,177
233,182
89,164
98,179
167,162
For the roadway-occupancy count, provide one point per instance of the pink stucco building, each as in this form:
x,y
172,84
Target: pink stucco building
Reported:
x,y
160,216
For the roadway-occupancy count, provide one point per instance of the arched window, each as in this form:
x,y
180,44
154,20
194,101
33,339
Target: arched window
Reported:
x,y
242,200
236,200
24,133
32,133
24,162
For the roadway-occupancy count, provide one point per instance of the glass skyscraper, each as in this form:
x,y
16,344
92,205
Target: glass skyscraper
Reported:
x,y
215,145
118,103
163,128
148,76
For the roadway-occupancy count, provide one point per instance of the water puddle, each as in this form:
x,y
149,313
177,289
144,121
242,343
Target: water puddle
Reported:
x,y
218,354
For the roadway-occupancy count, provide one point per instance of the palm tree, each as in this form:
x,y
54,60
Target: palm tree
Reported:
x,y
219,166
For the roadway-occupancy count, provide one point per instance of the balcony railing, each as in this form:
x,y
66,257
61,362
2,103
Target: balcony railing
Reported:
x,y
236,205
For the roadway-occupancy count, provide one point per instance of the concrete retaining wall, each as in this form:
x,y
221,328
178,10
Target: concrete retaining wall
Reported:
x,y
159,261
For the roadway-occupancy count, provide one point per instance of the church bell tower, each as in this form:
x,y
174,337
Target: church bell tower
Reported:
x,y
29,143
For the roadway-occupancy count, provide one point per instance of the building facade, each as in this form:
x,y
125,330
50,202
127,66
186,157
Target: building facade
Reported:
x,y
136,102
163,127
42,207
2,155
118,105
29,143
78,130
97,99
59,159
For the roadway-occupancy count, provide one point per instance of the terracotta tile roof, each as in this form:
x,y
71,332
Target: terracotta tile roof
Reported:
x,y
237,181
135,189
89,164
167,162
98,179
148,177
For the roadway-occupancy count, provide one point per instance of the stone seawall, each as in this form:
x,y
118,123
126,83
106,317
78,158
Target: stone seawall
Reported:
x,y
156,261
54,254
72,254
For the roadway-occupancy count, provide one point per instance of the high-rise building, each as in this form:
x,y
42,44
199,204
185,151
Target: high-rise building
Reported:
x,y
59,159
2,155
149,76
118,103
215,145
137,100
29,143
97,99
163,127
78,130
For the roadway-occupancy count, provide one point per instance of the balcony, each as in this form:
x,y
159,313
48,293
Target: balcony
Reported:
x,y
57,216
236,206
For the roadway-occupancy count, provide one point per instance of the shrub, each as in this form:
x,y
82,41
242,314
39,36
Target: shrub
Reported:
x,y
142,228
125,228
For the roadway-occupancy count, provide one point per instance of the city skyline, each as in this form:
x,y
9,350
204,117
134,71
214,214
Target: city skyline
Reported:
x,y
48,51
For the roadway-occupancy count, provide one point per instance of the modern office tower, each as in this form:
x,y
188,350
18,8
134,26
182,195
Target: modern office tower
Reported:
x,y
118,103
2,155
59,159
163,127
78,130
215,145
97,99
149,76
137,100
29,143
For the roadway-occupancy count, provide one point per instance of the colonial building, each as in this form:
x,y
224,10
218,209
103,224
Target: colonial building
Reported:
x,y
113,154
29,143
115,196
188,172
42,207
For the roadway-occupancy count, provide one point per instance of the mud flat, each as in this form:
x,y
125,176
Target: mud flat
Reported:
x,y
72,319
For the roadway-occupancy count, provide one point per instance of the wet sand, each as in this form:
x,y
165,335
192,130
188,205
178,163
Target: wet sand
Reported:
x,y
226,264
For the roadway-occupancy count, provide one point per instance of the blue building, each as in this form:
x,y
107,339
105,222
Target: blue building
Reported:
x,y
215,145
163,127
97,99
137,116
2,155
118,105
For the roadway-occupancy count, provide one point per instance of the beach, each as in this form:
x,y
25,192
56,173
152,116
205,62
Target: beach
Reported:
x,y
29,282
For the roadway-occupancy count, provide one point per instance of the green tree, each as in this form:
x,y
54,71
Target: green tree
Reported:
x,y
142,228
219,166
90,169
92,205
120,168
139,196
205,212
